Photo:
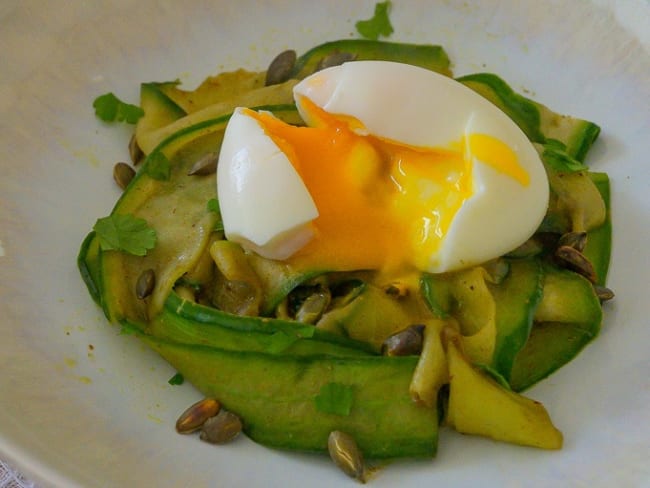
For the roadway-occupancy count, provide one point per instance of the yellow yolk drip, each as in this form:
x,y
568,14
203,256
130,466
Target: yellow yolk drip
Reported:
x,y
498,155
382,204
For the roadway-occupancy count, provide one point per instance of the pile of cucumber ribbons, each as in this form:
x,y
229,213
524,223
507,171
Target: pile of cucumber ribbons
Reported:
x,y
488,335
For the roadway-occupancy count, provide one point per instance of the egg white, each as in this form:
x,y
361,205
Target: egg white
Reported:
x,y
264,203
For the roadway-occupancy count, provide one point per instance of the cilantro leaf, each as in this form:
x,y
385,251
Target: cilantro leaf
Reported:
x,y
335,398
125,233
280,342
177,379
109,108
286,336
213,206
128,330
378,25
158,166
306,331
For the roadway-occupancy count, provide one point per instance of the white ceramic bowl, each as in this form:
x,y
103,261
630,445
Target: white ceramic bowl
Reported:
x,y
82,405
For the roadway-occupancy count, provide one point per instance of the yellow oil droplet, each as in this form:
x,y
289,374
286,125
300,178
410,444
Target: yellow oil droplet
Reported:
x,y
85,379
69,362
88,154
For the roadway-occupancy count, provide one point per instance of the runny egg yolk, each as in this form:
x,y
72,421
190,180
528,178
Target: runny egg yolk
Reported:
x,y
382,204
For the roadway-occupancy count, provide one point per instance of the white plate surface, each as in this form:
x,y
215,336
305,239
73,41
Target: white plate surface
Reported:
x,y
82,405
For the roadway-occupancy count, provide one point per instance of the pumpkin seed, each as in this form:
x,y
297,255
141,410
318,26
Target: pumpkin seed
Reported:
x,y
196,415
603,293
346,292
281,67
123,174
207,165
532,247
313,307
145,284
576,261
335,59
407,342
135,152
396,290
576,240
346,454
222,428
237,297
496,270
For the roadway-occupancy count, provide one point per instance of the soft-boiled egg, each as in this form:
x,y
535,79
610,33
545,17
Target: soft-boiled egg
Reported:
x,y
398,167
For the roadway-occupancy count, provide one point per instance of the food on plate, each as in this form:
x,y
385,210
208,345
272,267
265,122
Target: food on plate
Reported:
x,y
386,249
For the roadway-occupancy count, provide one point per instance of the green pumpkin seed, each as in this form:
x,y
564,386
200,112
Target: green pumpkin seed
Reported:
x,y
604,294
207,165
237,297
222,428
497,270
196,415
313,307
135,152
532,247
281,67
407,342
335,59
397,290
123,174
145,284
576,240
573,259
346,454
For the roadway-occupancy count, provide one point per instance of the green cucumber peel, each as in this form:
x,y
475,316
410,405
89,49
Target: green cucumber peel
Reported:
x,y
427,56
383,419
516,300
208,316
599,241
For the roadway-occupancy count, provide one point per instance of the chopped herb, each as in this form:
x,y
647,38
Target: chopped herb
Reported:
x,y
378,25
177,379
109,108
128,329
213,206
283,339
125,233
306,332
335,398
280,342
158,166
